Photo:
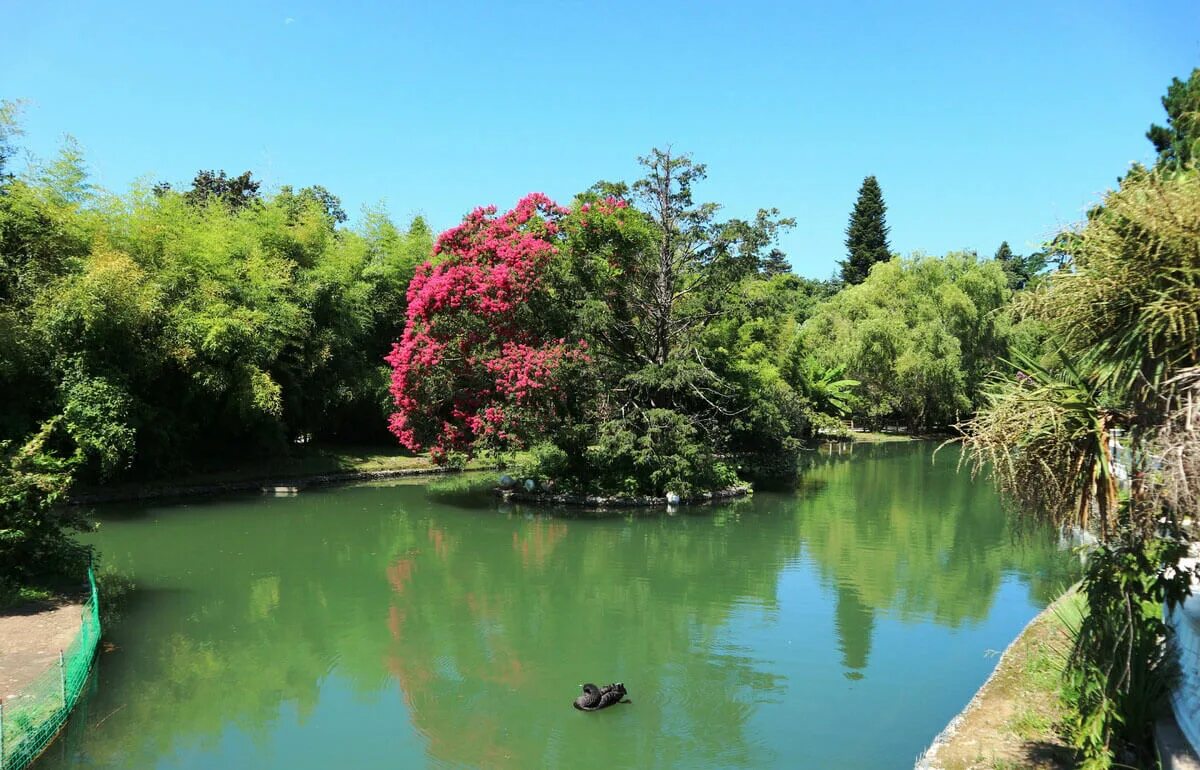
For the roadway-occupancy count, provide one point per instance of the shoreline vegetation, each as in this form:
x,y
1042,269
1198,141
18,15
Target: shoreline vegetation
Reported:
x,y
631,343
319,465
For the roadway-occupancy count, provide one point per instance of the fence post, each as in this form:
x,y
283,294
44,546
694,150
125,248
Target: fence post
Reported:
x,y
1,733
62,677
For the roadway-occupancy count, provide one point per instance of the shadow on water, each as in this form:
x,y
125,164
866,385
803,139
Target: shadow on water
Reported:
x,y
131,511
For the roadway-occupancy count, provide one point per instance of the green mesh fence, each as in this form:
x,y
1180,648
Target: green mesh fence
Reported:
x,y
31,719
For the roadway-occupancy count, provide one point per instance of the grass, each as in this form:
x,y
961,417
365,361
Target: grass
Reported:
x,y
24,722
869,437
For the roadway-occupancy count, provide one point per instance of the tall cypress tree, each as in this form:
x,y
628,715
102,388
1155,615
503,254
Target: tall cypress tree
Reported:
x,y
866,235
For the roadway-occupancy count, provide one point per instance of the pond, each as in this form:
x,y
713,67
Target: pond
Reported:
x,y
839,625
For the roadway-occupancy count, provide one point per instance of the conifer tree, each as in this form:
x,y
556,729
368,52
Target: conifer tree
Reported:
x,y
775,263
1179,141
866,235
1021,270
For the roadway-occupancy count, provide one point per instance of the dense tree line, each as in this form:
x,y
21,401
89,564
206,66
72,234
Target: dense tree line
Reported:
x,y
642,345
920,334
159,331
633,341
167,328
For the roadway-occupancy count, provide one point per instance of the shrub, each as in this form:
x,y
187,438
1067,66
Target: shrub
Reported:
x,y
1121,667
34,529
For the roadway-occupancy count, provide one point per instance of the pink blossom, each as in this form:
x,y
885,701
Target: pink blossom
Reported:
x,y
500,379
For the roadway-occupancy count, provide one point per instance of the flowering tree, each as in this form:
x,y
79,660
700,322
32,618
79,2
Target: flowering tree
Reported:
x,y
479,364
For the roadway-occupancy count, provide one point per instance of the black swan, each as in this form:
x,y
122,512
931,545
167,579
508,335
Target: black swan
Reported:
x,y
595,698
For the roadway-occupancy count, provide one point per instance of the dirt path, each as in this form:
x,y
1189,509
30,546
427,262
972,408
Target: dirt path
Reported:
x,y
1013,721
30,641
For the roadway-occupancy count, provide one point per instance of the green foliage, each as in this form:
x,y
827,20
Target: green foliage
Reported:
x,y
34,527
545,461
1120,318
866,235
690,322
1119,326
693,327
1121,667
827,391
776,393
1129,302
176,331
96,417
314,197
919,335
1021,270
215,187
653,452
648,453
1178,142
1045,436
750,248
65,180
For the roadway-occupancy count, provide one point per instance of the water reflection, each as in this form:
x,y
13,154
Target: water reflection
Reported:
x,y
416,623
515,611
894,531
854,623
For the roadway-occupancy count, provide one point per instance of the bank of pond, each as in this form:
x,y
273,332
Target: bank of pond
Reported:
x,y
424,622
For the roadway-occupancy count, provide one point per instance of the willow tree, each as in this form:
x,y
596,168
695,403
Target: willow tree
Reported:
x,y
919,333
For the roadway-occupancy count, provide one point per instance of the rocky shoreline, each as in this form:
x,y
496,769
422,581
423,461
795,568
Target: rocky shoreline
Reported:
x,y
602,502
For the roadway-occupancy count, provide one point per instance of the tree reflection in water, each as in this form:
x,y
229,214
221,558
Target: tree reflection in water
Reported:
x,y
251,614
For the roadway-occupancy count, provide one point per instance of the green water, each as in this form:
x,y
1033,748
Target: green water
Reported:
x,y
423,624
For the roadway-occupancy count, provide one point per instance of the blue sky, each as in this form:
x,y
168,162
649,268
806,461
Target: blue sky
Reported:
x,y
982,121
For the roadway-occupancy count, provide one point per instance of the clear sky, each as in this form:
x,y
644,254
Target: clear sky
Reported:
x,y
983,121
